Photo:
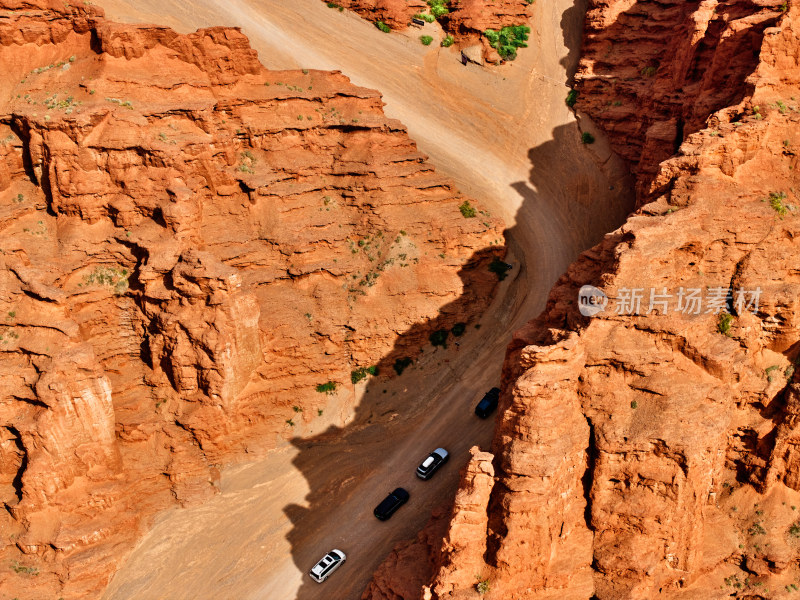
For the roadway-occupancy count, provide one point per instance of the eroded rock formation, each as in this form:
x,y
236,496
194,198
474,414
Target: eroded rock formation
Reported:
x,y
652,71
651,451
190,245
466,20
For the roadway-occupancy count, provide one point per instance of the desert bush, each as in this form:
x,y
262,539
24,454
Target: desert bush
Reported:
x,y
508,39
426,40
572,98
467,210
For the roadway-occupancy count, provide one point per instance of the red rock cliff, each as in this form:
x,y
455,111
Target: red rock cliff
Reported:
x,y
190,245
653,454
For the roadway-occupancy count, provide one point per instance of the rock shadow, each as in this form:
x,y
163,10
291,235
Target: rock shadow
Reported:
x,y
569,202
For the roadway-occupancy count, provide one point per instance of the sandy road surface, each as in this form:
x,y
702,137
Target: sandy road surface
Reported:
x,y
507,138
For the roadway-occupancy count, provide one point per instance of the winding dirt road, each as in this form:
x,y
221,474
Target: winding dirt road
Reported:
x,y
507,138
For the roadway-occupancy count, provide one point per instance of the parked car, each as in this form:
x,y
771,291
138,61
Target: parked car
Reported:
x,y
488,403
391,503
327,565
432,463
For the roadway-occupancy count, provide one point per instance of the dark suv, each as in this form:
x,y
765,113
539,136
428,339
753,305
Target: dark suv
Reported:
x,y
391,503
488,403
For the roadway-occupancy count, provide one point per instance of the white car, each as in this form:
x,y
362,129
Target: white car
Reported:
x,y
327,565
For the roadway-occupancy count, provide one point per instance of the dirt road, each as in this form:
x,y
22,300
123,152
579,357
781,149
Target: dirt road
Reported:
x,y
506,137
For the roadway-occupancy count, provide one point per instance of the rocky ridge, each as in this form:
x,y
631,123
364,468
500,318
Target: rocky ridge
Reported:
x,y
195,255
652,452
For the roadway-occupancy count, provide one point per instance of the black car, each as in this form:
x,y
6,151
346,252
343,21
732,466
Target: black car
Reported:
x,y
391,503
488,403
433,461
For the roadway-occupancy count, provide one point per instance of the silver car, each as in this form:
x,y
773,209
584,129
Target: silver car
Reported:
x,y
430,465
327,565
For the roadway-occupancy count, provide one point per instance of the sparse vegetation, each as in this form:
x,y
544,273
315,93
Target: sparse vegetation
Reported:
x,y
362,372
769,372
426,40
634,404
499,268
794,530
467,210
458,329
297,409
117,279
383,27
401,364
23,569
724,323
247,161
448,41
425,17
776,201
508,39
328,387
587,138
483,586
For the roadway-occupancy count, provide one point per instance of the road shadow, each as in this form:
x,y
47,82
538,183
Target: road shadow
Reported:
x,y
588,205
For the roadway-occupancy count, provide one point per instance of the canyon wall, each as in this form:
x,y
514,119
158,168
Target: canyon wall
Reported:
x,y
195,255
650,449
652,71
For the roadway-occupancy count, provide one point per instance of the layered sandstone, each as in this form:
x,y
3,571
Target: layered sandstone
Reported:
x,y
652,71
466,20
190,246
651,451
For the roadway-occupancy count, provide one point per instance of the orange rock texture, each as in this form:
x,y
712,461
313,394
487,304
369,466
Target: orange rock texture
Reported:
x,y
190,245
652,71
652,453
465,22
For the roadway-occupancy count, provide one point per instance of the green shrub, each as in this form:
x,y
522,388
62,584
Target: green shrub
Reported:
x,y
438,8
587,138
499,268
724,323
362,372
439,337
448,41
328,387
467,210
794,530
572,98
483,586
458,329
776,202
383,26
426,40
508,39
